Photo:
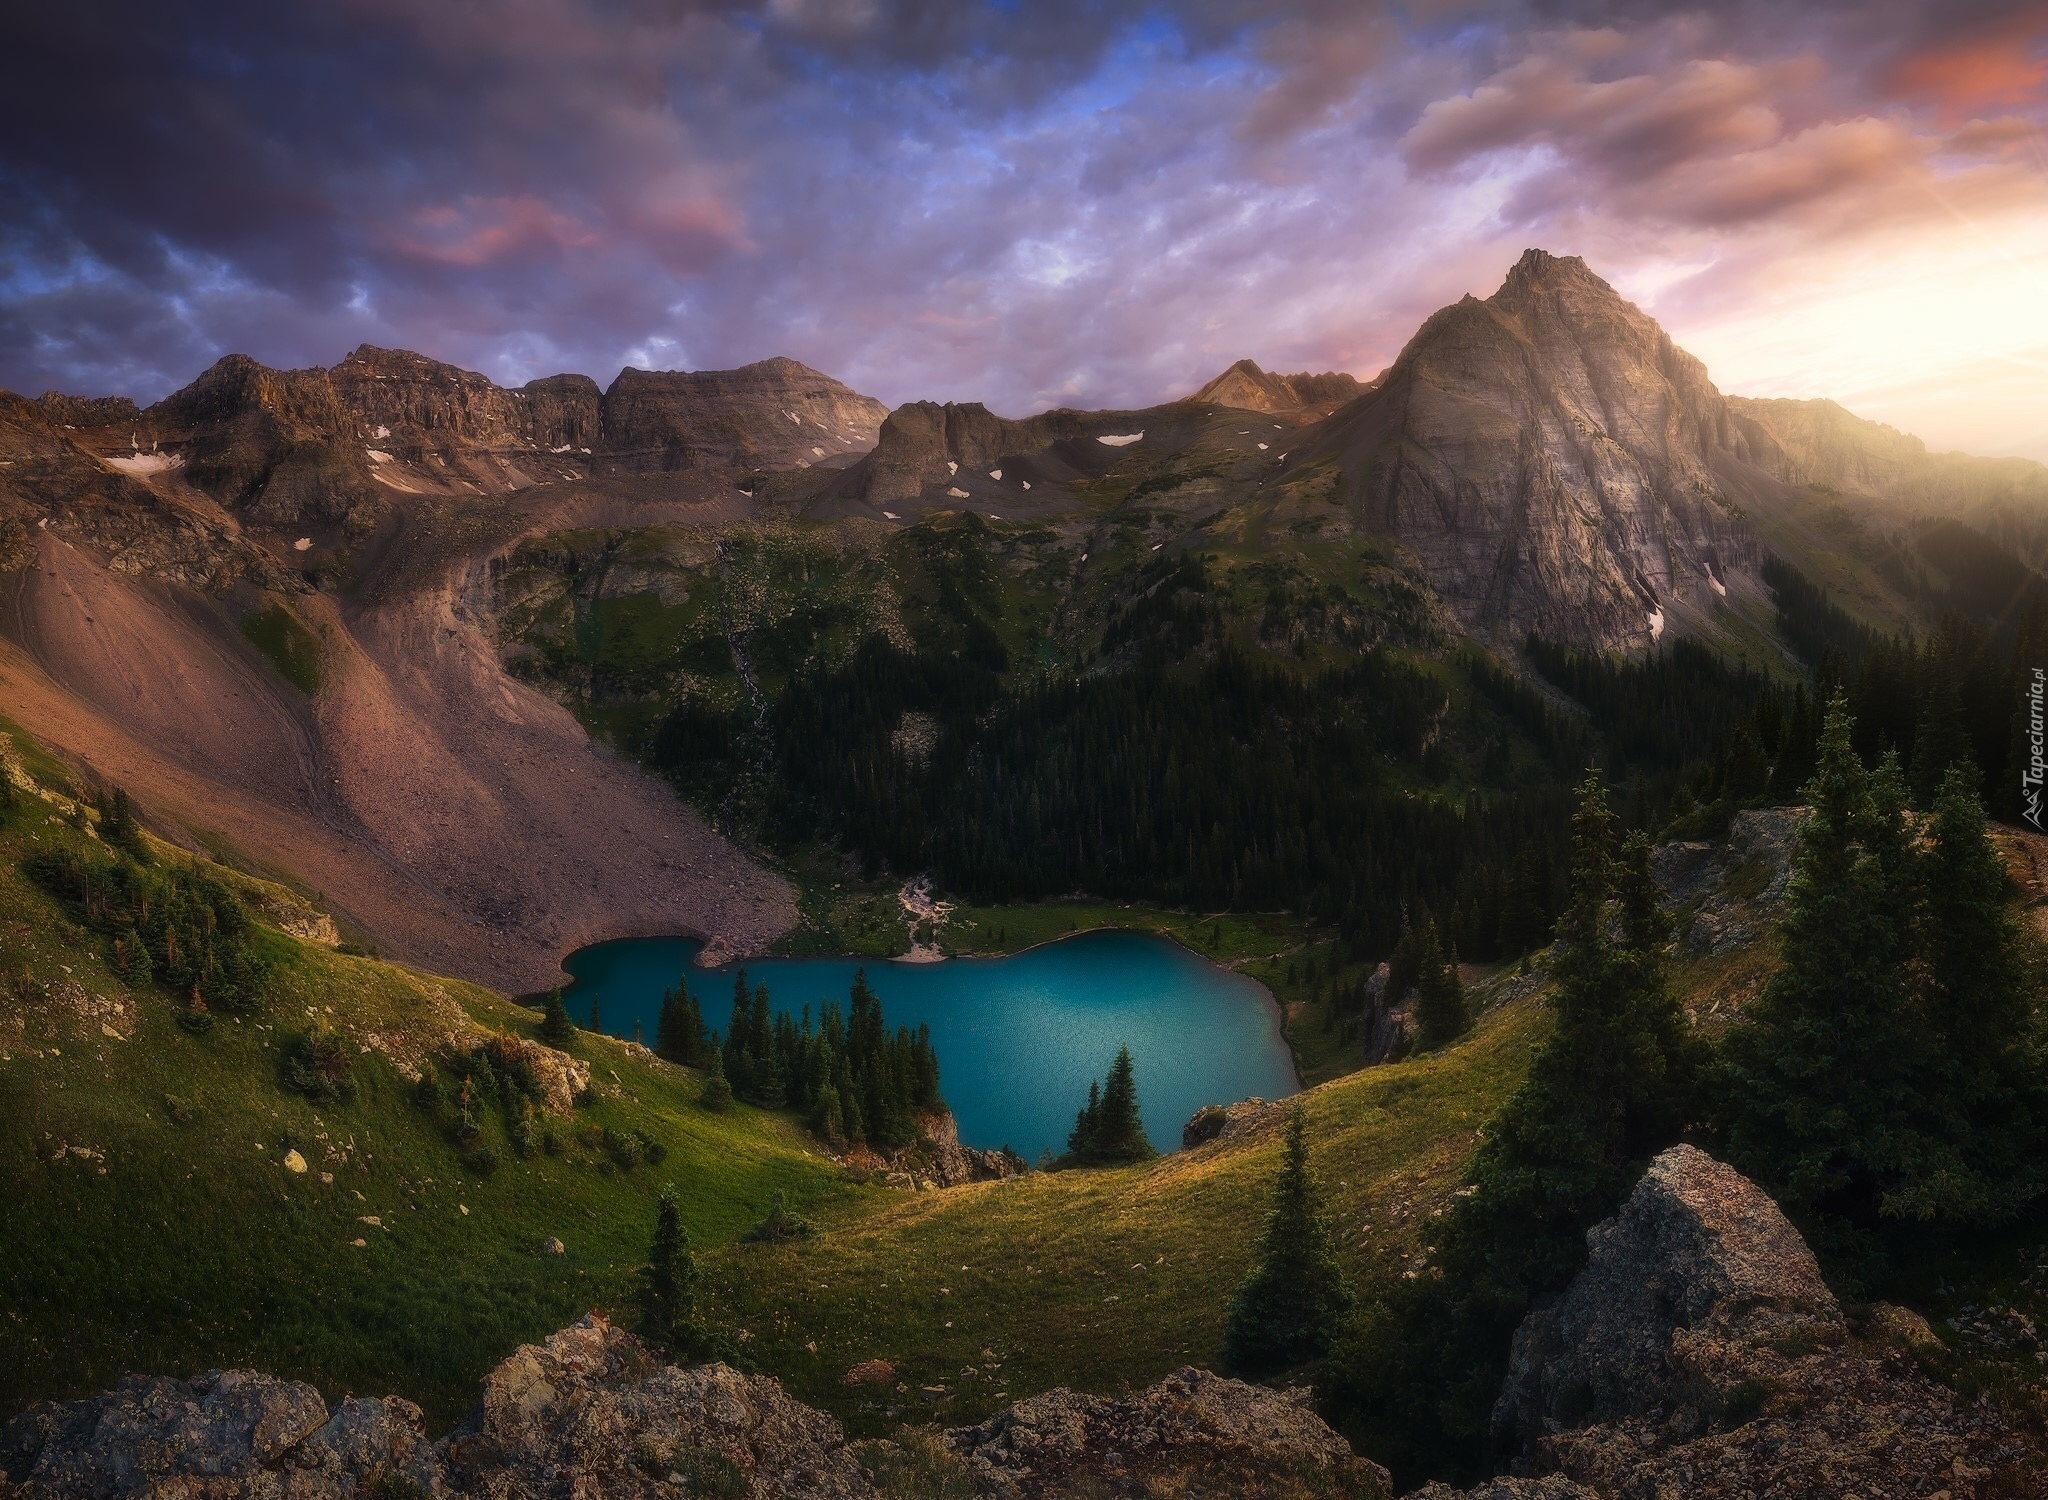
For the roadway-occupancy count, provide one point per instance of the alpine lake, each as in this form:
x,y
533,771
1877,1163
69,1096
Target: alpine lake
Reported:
x,y
1018,1038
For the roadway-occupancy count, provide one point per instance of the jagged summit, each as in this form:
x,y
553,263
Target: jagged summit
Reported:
x,y
1247,387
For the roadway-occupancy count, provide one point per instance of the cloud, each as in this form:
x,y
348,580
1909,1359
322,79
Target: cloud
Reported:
x,y
1070,201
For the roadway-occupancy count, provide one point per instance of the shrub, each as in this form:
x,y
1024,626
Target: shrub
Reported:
x,y
316,1063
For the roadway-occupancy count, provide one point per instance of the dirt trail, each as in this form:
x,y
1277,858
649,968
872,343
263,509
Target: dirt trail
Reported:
x,y
463,821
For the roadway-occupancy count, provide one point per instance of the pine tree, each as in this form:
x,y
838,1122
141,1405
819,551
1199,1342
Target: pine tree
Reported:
x,y
1441,1016
717,1095
556,1029
1818,1079
668,1291
679,1036
1109,1129
1292,1306
1985,1096
1613,1084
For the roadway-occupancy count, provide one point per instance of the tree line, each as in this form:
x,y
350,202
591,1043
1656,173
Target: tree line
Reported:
x,y
1886,1083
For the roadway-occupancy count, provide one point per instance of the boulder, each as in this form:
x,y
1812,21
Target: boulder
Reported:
x,y
230,1432
592,1411
1699,1354
1387,1027
1699,1268
1192,1433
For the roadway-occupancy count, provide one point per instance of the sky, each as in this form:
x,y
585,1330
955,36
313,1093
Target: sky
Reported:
x,y
1027,203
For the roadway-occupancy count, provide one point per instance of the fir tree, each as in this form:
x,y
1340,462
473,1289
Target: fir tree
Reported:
x,y
1109,1129
556,1029
1817,1075
1289,1310
1612,1085
1441,1016
668,1291
717,1095
679,1036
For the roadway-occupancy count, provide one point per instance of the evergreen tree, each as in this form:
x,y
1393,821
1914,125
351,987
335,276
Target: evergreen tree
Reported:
x,y
1441,1016
679,1036
1289,1310
1612,1085
556,1029
1109,1129
668,1291
1987,1095
717,1095
1818,1075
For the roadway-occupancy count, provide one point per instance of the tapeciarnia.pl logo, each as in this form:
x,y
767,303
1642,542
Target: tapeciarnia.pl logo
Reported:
x,y
2037,741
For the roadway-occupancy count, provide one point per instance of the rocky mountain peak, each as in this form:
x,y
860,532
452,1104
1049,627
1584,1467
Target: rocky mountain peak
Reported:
x,y
1249,388
1557,465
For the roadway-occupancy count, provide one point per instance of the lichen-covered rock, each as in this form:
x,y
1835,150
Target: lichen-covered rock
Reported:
x,y
1699,1269
592,1411
225,1434
1728,895
1699,1354
1193,1433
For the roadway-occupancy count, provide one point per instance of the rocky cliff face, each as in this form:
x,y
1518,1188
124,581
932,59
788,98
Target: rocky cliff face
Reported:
x,y
1556,463
928,453
591,1412
334,448
773,414
1246,387
1699,1353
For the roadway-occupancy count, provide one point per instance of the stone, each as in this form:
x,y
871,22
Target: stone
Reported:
x,y
1698,1268
1243,1440
548,1246
1700,1354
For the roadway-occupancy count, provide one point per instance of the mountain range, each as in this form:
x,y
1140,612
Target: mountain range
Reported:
x,y
352,623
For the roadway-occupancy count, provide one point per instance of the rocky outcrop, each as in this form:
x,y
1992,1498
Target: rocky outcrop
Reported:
x,y
1556,464
1387,1025
938,1160
1233,1122
1697,1271
1246,387
590,1412
773,414
1727,895
943,454
1699,1353
1193,1432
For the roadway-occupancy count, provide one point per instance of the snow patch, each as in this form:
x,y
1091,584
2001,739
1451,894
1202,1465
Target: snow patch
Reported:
x,y
378,455
1719,587
382,432
139,464
892,515
1026,483
1157,545
995,473
1262,447
993,516
1656,624
303,544
563,449
1122,440
820,452
956,493
951,467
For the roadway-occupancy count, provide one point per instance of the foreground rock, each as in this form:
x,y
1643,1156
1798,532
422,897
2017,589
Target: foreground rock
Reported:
x,y
1193,1433
1699,1354
590,1412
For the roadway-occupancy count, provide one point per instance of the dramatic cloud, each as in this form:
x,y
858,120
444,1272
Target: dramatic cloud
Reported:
x,y
1062,202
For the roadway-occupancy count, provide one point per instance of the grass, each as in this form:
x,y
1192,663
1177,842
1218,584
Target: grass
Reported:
x,y
1107,1279
152,1222
291,647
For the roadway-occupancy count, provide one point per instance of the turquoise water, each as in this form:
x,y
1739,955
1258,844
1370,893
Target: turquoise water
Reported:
x,y
1018,1038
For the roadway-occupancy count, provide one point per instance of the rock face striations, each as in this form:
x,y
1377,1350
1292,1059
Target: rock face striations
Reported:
x,y
773,414
314,448
1556,463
